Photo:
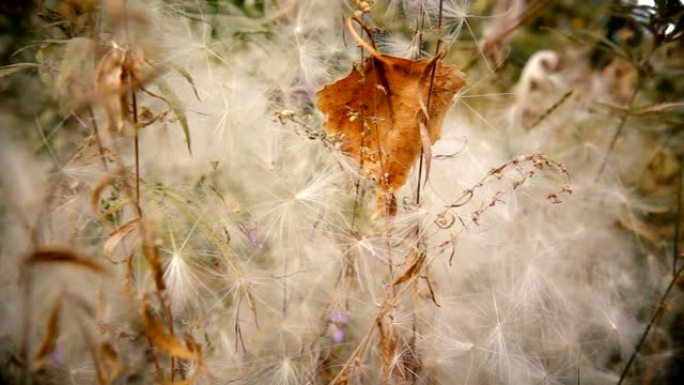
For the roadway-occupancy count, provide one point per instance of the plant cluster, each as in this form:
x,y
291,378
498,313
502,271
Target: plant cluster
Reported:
x,y
341,192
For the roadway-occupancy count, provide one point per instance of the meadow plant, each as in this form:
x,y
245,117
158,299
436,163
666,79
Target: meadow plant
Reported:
x,y
188,199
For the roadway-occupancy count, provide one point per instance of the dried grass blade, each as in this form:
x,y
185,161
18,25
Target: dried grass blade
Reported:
x,y
152,256
51,335
411,270
62,255
427,149
109,363
252,307
13,68
97,192
388,346
117,235
162,339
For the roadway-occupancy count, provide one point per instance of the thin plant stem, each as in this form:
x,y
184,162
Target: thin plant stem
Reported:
x,y
678,221
661,306
419,31
26,330
429,99
98,139
626,112
137,152
551,109
656,315
618,129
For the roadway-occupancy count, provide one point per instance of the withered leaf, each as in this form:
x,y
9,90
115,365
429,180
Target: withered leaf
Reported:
x,y
63,255
108,364
388,346
162,339
76,74
109,87
97,191
117,235
413,265
47,346
151,252
379,110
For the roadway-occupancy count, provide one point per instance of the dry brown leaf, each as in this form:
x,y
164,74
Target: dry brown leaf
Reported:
x,y
388,346
196,348
97,192
62,255
108,363
120,70
109,87
379,109
162,339
50,339
151,253
412,268
117,235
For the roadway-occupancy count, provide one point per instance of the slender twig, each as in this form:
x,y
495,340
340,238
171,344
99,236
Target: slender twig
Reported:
x,y
659,311
429,98
98,139
579,361
551,109
678,220
419,31
26,329
137,151
619,127
627,110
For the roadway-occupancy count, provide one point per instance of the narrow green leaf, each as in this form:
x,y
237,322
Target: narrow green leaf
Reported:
x,y
189,79
176,106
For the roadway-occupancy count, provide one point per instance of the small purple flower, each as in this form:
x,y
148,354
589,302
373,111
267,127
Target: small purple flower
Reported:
x,y
338,316
250,234
338,335
300,93
58,356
